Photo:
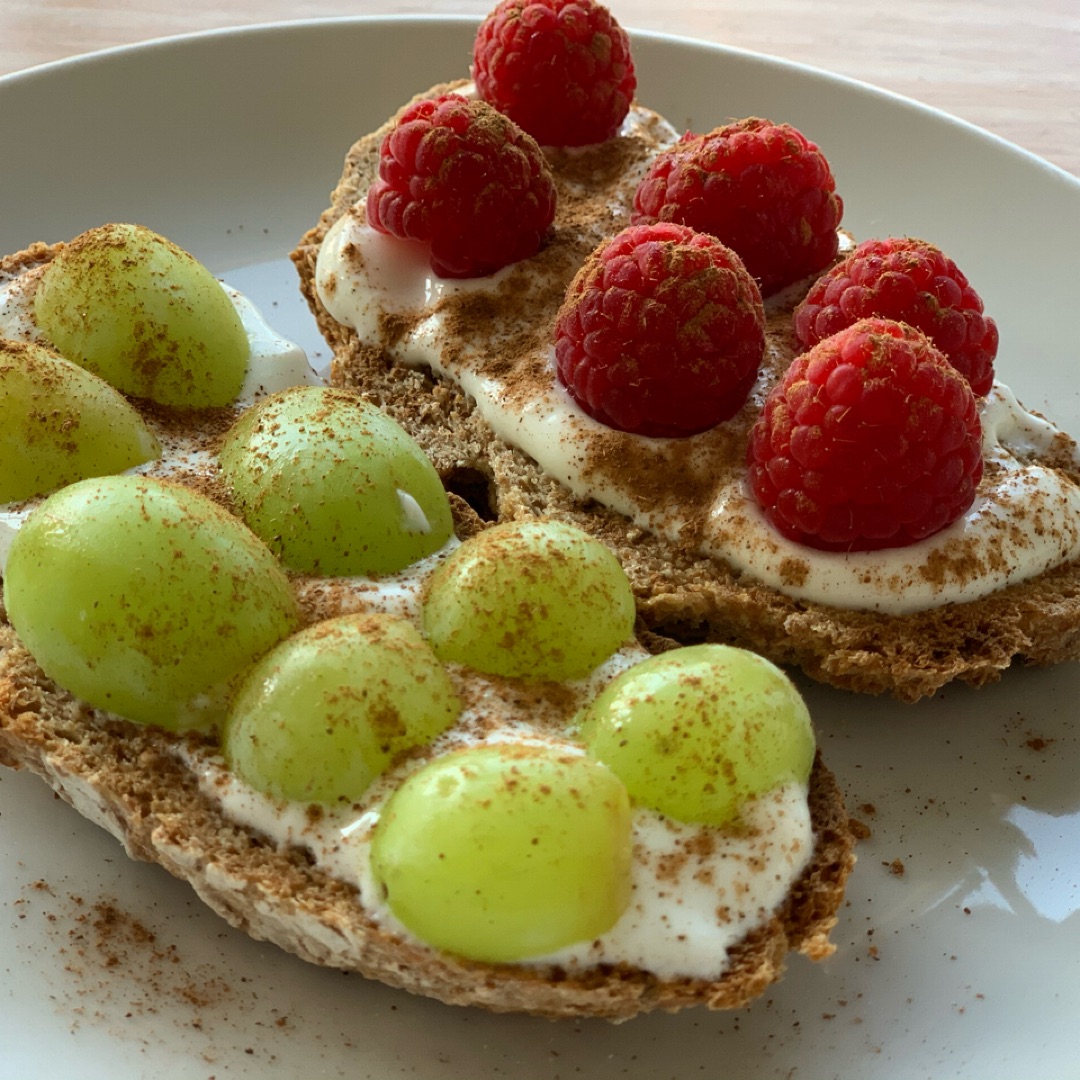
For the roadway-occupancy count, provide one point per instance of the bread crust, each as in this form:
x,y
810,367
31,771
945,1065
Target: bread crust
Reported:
x,y
682,593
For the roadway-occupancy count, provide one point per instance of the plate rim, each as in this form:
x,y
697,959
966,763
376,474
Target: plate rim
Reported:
x,y
316,23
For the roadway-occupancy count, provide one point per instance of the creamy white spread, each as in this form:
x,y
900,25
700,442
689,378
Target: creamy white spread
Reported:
x,y
1025,519
696,892
274,363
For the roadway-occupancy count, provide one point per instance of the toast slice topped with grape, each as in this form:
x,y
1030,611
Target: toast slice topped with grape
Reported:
x,y
890,528
259,643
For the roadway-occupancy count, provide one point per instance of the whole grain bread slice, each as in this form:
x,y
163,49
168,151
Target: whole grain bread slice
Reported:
x,y
682,593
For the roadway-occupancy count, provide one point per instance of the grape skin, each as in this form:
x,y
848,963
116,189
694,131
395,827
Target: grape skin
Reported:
x,y
333,485
503,852
145,315
145,598
328,710
696,732
60,423
529,599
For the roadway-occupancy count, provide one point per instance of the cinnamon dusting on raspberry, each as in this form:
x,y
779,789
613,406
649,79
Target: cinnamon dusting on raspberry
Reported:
x,y
584,218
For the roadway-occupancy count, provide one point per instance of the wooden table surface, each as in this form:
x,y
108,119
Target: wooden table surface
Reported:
x,y
1012,68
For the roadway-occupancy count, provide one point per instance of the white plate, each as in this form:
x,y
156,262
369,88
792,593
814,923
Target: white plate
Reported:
x,y
965,965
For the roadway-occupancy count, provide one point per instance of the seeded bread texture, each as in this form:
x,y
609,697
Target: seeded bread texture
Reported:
x,y
681,593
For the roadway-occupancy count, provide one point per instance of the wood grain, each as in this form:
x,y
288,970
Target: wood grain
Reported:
x,y
1011,68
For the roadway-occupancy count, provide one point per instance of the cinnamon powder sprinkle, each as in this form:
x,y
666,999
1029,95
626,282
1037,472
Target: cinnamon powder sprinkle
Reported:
x,y
121,970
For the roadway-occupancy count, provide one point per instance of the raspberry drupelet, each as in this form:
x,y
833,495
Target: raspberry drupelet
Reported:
x,y
911,281
561,69
761,188
871,440
463,179
661,333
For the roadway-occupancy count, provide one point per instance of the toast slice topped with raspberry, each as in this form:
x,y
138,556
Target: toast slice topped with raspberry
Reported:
x,y
950,564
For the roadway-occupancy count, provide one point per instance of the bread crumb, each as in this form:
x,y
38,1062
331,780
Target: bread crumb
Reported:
x,y
859,829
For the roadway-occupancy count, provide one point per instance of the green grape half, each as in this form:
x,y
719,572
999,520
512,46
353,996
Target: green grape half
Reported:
x,y
530,599
504,852
696,732
144,315
59,423
328,710
333,485
145,598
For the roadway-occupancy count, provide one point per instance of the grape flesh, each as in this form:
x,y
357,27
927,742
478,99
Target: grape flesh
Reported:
x,y
329,709
696,732
535,599
59,423
504,852
333,485
145,598
145,315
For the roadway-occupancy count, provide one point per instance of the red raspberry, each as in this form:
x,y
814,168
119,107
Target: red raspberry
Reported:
x,y
761,188
871,440
463,179
913,282
662,332
560,68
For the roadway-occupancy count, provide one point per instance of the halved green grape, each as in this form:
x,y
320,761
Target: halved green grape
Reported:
x,y
59,423
145,598
326,712
144,315
504,852
333,485
696,732
535,599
